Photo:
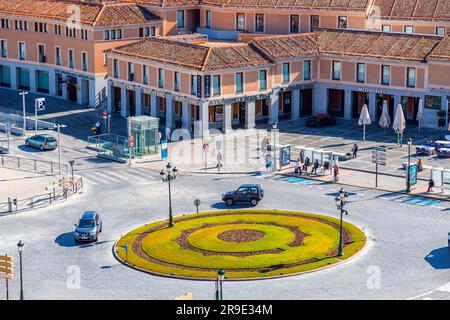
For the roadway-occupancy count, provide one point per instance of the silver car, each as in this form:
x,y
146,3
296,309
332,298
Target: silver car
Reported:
x,y
89,227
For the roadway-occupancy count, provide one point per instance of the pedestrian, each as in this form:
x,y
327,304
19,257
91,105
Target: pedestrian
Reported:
x,y
336,172
168,134
306,164
298,168
400,140
159,136
430,186
268,159
219,160
420,165
315,167
355,151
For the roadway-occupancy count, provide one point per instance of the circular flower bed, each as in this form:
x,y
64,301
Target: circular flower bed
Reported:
x,y
248,244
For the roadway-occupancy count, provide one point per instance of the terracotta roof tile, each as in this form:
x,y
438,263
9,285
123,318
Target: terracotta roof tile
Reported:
x,y
427,10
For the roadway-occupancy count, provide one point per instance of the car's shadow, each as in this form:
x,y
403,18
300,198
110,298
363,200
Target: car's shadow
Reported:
x,y
439,258
26,148
223,206
67,240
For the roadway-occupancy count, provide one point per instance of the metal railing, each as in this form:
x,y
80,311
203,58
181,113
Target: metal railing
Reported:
x,y
13,162
41,201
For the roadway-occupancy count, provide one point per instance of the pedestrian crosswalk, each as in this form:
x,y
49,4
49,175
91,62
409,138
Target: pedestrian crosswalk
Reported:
x,y
135,176
414,200
441,293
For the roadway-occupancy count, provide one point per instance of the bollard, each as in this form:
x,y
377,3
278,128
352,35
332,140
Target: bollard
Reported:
x,y
9,205
18,162
35,166
50,197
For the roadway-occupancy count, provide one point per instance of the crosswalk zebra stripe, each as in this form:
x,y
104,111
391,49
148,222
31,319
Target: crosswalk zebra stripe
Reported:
x,y
104,176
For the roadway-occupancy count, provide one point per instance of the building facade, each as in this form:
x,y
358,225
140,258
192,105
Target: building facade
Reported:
x,y
57,47
230,85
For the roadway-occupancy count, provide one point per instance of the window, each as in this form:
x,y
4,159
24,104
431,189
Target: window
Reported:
x,y
145,74
116,68
113,34
41,53
84,61
411,78
240,21
71,59
315,22
106,35
176,81
208,19
259,22
239,82
105,59
119,34
58,56
440,31
360,72
153,31
386,28
4,48
307,70
294,23
342,22
84,34
71,32
409,29
286,72
5,24
57,29
194,85
130,71
336,70
262,80
385,75
180,19
161,78
22,51
216,85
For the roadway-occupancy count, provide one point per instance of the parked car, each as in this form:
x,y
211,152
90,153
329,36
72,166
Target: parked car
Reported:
x,y
89,226
252,193
321,120
42,142
449,240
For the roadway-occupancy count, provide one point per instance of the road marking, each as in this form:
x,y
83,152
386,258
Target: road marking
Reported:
x,y
104,176
87,178
119,176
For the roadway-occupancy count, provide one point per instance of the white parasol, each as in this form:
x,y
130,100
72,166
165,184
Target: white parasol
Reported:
x,y
385,120
364,119
419,117
399,124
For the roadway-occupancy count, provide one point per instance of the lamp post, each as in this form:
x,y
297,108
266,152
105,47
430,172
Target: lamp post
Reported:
x,y
167,176
341,200
20,249
23,94
219,281
408,173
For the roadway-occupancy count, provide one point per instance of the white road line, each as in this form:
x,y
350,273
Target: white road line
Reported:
x,y
140,176
104,176
118,175
445,288
86,178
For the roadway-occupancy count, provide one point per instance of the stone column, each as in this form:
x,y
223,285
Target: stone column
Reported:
x,y
64,90
33,87
227,118
13,75
273,108
79,91
250,114
295,113
92,94
204,118
52,82
372,106
186,110
320,99
110,96
169,111
348,104
138,92
153,106
124,102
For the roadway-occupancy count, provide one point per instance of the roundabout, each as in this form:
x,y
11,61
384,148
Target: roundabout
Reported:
x,y
247,244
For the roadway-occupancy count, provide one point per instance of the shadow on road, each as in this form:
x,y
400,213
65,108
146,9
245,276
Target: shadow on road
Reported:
x,y
67,240
439,258
223,206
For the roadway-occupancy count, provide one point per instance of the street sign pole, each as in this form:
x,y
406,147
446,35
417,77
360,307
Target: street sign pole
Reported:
x,y
109,124
35,118
129,142
376,174
59,148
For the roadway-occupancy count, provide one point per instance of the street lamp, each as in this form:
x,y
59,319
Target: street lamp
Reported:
x,y
408,174
20,249
167,176
341,200
219,281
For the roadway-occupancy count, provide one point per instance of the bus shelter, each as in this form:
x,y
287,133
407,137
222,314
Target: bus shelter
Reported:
x,y
325,158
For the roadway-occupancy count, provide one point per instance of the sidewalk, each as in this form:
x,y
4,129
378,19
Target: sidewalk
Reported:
x,y
388,183
22,184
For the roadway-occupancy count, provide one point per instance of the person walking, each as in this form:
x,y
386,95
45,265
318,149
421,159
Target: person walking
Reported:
x,y
355,151
336,172
298,168
315,167
306,164
168,134
430,186
268,159
219,160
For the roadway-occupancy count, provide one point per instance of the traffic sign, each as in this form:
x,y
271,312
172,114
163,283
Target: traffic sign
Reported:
x,y
39,104
205,147
131,141
105,115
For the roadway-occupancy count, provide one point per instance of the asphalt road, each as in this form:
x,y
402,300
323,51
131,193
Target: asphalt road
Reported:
x,y
407,254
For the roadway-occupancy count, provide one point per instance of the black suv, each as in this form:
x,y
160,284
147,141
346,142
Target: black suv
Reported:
x,y
252,193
